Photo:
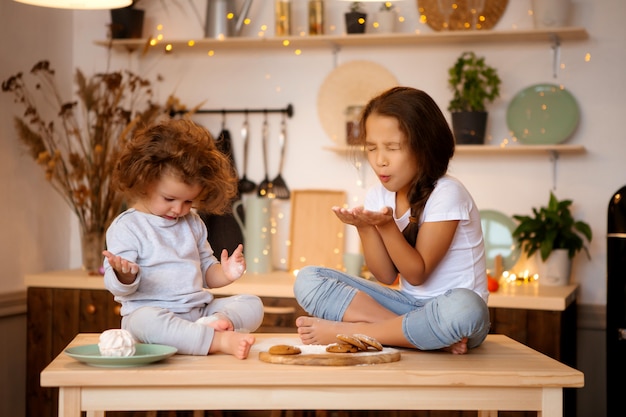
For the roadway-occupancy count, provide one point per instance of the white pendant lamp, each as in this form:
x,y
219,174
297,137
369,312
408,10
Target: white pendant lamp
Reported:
x,y
79,4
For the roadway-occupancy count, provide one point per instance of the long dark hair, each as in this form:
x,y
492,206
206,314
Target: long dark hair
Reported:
x,y
429,138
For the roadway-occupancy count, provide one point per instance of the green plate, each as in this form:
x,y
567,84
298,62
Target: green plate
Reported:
x,y
543,114
144,354
498,234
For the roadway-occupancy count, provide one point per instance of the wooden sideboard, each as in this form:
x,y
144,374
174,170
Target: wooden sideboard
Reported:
x,y
62,304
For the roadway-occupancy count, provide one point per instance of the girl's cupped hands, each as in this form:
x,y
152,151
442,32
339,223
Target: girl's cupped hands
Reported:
x,y
360,217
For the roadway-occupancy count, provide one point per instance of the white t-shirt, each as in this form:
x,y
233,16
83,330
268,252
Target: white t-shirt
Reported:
x,y
464,265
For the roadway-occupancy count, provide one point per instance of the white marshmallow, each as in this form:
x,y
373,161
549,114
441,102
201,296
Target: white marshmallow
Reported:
x,y
116,342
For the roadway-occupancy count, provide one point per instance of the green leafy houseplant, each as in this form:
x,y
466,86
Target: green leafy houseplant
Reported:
x,y
473,83
550,228
76,143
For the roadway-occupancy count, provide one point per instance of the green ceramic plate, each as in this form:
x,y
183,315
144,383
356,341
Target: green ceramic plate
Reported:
x,y
543,114
498,234
144,354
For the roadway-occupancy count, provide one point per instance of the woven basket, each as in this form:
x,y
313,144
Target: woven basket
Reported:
x,y
461,17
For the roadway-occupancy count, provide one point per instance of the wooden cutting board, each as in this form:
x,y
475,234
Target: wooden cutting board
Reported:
x,y
334,359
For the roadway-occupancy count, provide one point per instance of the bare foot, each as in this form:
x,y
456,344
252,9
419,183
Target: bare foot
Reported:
x,y
232,343
314,331
458,348
217,321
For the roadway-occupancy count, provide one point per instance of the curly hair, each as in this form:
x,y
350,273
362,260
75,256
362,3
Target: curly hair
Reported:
x,y
428,134
185,150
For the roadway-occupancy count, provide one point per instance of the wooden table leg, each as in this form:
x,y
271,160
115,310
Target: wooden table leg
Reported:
x,y
552,403
69,402
487,413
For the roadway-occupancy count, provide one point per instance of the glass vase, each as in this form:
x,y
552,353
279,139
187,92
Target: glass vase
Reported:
x,y
92,245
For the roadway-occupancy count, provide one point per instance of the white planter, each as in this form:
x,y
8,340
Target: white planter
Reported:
x,y
386,21
555,271
551,13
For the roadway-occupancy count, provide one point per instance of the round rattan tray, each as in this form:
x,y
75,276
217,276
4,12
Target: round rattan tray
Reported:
x,y
460,17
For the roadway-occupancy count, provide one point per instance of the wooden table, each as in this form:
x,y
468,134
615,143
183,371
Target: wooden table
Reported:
x,y
502,374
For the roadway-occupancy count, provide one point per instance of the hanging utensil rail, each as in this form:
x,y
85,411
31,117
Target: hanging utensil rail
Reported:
x,y
287,110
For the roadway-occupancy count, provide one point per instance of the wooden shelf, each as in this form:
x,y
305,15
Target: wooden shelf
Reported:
x,y
490,149
292,43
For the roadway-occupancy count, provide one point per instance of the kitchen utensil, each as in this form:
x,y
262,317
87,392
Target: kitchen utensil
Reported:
x,y
223,230
245,185
543,114
334,359
352,83
256,232
280,188
144,354
317,238
224,143
222,19
266,188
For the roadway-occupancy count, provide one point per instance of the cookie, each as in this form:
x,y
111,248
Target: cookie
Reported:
x,y
369,341
341,348
352,341
284,350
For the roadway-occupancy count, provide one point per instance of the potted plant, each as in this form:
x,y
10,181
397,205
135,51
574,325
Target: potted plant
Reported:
x,y
76,142
127,22
355,18
551,231
474,84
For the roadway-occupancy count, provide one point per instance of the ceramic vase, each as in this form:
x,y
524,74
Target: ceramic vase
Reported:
x,y
554,271
92,244
551,13
281,230
256,230
355,22
385,21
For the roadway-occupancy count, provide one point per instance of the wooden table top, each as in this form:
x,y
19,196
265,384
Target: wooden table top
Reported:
x,y
498,362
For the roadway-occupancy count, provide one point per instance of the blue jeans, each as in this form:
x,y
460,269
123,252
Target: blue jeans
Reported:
x,y
428,323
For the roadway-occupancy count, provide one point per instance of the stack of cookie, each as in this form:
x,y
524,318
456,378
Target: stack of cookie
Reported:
x,y
354,343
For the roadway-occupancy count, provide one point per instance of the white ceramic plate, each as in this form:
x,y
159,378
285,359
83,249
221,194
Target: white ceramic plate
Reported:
x,y
351,84
543,114
497,232
144,354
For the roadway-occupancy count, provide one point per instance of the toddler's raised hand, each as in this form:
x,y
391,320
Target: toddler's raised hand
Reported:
x,y
125,270
235,266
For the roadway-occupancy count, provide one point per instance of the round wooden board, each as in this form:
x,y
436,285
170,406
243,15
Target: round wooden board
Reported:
x,y
333,359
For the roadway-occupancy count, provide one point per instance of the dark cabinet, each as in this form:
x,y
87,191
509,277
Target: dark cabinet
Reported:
x,y
55,317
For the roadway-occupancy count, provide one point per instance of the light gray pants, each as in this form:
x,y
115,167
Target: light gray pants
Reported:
x,y
428,324
161,326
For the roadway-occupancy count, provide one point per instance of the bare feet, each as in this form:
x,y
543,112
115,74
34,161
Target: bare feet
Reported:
x,y
232,343
217,321
458,348
314,331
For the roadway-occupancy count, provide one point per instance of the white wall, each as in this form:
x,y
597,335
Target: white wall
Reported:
x,y
35,222
260,79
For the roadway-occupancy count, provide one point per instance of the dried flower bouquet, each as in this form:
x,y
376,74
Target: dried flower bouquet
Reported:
x,y
76,142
